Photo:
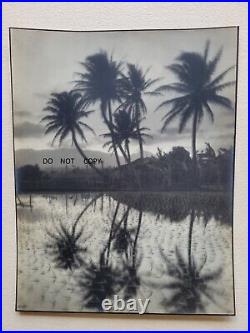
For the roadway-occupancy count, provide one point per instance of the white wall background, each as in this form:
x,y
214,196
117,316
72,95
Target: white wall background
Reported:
x,y
98,16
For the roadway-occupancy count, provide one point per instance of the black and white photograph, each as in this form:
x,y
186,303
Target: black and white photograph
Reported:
x,y
124,145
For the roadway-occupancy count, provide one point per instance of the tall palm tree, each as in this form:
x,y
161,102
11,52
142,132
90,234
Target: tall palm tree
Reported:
x,y
188,288
101,83
132,280
125,128
134,86
66,111
198,88
64,246
64,242
97,282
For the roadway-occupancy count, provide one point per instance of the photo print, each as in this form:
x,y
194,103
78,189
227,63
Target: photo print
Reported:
x,y
124,170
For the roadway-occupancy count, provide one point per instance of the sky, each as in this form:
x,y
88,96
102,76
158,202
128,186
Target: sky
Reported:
x,y
47,61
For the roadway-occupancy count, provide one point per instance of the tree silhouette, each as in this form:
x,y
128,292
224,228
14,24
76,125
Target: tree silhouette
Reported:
x,y
189,286
134,86
198,89
63,242
66,111
124,129
97,282
101,83
64,247
133,281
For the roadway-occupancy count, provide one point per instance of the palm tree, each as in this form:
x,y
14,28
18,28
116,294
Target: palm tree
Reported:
x,y
66,111
124,129
97,282
198,89
101,83
190,286
132,282
64,246
134,86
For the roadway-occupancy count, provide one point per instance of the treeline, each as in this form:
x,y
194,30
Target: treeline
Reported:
x,y
118,90
162,172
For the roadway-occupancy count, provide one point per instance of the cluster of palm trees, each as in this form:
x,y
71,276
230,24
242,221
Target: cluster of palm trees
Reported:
x,y
97,281
119,90
189,284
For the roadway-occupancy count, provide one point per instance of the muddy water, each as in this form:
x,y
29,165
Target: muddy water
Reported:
x,y
76,249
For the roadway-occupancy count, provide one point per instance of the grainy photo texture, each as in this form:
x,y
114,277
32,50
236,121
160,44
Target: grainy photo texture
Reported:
x,y
124,165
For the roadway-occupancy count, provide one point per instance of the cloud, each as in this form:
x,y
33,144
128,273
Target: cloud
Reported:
x,y
29,130
170,134
22,114
230,125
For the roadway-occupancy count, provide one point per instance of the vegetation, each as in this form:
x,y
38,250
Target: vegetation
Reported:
x,y
177,205
171,184
120,90
66,112
101,83
197,90
189,284
163,172
134,85
126,127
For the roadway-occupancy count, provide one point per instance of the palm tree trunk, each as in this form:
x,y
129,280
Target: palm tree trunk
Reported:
x,y
66,203
110,124
127,148
194,130
123,153
30,202
138,131
83,211
85,157
111,231
136,238
190,241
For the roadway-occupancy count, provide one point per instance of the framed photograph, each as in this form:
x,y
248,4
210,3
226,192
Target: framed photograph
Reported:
x,y
124,148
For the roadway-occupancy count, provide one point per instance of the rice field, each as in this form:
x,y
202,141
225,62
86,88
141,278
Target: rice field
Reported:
x,y
75,249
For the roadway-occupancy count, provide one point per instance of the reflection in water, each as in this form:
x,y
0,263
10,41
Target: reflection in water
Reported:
x,y
97,283
123,244
64,242
188,285
123,237
132,281
100,281
177,206
64,246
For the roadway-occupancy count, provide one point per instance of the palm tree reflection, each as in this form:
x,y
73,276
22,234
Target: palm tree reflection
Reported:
x,y
98,281
64,243
65,248
102,280
188,283
189,286
131,279
123,237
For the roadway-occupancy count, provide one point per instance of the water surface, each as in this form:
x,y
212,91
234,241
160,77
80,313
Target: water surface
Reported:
x,y
76,249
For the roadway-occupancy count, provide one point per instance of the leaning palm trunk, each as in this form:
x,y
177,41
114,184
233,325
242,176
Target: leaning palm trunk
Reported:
x,y
138,131
110,126
84,156
127,149
194,130
84,210
136,239
190,241
126,158
111,231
